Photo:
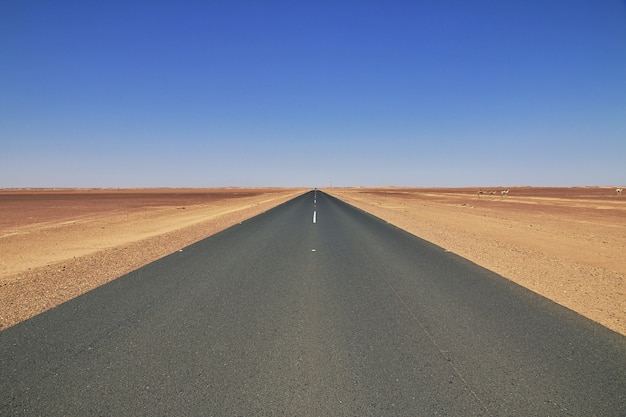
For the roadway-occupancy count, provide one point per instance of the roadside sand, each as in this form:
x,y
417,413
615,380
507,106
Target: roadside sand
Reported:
x,y
58,244
567,244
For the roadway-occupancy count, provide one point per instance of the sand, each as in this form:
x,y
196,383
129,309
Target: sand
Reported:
x,y
567,244
59,244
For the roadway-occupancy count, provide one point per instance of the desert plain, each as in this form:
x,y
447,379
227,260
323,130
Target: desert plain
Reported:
x,y
567,244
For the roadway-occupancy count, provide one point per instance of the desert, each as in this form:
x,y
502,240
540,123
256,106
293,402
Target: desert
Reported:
x,y
566,244
57,244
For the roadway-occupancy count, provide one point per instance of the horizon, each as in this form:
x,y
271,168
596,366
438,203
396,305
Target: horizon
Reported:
x,y
429,94
483,187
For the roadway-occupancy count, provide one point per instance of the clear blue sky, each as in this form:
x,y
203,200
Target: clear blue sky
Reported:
x,y
305,93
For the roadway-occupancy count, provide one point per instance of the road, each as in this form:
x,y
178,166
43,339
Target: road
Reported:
x,y
313,308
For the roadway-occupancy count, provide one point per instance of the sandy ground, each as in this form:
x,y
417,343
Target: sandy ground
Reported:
x,y
58,244
568,244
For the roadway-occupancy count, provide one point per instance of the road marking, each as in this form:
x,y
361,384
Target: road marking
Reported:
x,y
314,216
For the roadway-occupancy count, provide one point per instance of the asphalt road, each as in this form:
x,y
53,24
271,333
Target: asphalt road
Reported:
x,y
313,308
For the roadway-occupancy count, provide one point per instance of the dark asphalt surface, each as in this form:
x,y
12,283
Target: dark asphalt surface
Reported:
x,y
347,316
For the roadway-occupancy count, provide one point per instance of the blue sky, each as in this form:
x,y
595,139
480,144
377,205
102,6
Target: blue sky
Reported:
x,y
302,93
